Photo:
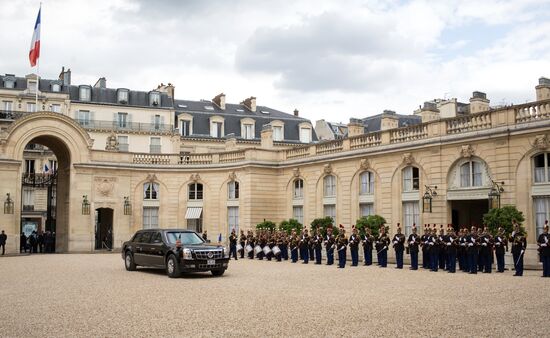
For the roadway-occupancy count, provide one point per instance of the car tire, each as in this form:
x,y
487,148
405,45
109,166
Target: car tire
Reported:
x,y
218,273
172,267
129,261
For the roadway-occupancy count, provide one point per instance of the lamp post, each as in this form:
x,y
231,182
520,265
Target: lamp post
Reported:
x,y
85,205
8,205
427,198
494,194
127,206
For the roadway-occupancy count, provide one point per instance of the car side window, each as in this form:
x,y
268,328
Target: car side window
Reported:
x,y
145,237
137,237
156,238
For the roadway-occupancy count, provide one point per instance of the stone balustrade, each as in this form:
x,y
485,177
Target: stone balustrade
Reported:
x,y
233,156
298,152
532,112
329,147
195,159
410,133
162,159
467,123
365,141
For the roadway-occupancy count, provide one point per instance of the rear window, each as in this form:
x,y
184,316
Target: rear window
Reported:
x,y
156,238
185,237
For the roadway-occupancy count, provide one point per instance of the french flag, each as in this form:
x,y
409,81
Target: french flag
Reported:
x,y
34,53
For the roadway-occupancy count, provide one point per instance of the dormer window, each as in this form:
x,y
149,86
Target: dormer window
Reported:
x,y
56,87
154,99
85,93
122,96
9,82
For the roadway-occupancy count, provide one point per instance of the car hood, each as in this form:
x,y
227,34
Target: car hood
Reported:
x,y
203,247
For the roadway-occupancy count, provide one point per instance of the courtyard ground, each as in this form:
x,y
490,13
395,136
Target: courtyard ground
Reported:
x,y
73,295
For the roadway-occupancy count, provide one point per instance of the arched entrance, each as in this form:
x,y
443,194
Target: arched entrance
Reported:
x,y
103,229
70,144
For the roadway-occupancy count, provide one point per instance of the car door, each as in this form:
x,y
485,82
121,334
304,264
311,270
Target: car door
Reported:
x,y
141,255
156,249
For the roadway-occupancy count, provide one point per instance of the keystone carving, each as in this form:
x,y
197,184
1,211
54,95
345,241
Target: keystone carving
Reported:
x,y
541,142
408,158
365,164
195,177
151,178
112,143
296,172
327,169
232,176
467,151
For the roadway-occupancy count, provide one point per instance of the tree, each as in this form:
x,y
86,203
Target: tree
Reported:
x,y
373,222
289,225
502,217
322,224
266,225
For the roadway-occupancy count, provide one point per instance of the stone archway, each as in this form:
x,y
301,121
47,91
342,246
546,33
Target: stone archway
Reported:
x,y
70,144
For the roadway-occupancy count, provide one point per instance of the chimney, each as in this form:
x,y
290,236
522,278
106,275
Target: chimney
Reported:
x,y
219,100
101,83
65,76
296,112
389,120
478,102
250,103
543,89
168,89
355,127
429,112
267,137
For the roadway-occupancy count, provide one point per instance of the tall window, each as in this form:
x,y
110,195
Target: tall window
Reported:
x,y
542,210
56,87
542,168
216,129
122,120
329,186
85,93
248,130
31,107
7,106
305,135
470,174
330,211
366,209
185,127
154,98
123,143
28,199
29,166
155,146
84,117
367,183
299,188
195,191
151,191
411,214
278,133
122,96
157,122
233,190
411,180
233,218
298,213
56,108
150,217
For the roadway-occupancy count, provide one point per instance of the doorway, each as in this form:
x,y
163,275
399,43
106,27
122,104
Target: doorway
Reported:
x,y
104,229
467,213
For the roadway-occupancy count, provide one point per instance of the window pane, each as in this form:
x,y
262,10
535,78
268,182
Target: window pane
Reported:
x,y
407,179
411,215
298,188
476,173
465,175
330,211
541,212
298,213
366,209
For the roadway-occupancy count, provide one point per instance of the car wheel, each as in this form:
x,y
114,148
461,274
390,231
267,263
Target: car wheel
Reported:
x,y
217,272
129,261
172,267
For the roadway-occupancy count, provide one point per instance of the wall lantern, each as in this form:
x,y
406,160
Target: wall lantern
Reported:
x,y
127,206
427,198
494,194
8,205
85,205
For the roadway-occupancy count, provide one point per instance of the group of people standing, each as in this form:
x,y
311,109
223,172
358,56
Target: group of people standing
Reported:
x,y
474,249
37,242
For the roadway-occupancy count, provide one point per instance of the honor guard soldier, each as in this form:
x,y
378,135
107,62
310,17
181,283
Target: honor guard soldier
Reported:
x,y
399,246
294,241
486,250
304,247
280,245
242,239
425,242
250,243
451,244
284,248
233,244
544,247
354,240
341,247
382,243
311,245
519,244
330,244
434,244
270,243
368,240
414,242
461,252
442,258
472,250
318,246
501,246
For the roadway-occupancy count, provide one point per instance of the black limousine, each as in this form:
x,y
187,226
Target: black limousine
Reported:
x,y
175,250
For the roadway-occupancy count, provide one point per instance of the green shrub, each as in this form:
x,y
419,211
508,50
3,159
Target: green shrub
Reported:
x,y
289,225
266,225
373,222
502,217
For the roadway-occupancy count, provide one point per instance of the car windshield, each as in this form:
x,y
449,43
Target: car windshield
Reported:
x,y
185,237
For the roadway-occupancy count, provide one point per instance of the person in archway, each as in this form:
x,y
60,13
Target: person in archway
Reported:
x,y
3,239
33,242
23,243
40,241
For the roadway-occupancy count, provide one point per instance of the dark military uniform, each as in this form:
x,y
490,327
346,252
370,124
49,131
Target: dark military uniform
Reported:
x,y
451,245
519,244
341,246
330,243
501,246
399,247
472,251
250,240
544,250
233,245
425,242
414,241
304,248
354,240
294,248
368,240
434,244
318,247
486,252
382,243
242,243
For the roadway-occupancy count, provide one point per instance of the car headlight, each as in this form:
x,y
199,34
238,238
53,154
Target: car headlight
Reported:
x,y
225,252
187,254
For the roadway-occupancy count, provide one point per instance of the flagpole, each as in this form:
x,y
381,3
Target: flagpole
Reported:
x,y
38,65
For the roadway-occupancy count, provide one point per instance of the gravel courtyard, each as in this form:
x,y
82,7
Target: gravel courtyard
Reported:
x,y
92,295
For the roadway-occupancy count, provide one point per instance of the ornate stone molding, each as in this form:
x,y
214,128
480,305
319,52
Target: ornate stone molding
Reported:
x,y
327,169
408,158
195,177
365,164
105,186
467,151
112,143
232,176
541,142
296,172
151,178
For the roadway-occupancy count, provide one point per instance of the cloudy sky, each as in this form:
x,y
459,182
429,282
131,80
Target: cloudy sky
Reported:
x,y
330,59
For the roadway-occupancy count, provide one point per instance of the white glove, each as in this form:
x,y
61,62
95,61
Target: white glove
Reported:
x,y
543,244
513,233
498,244
470,244
522,251
431,243
484,244
411,242
448,244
